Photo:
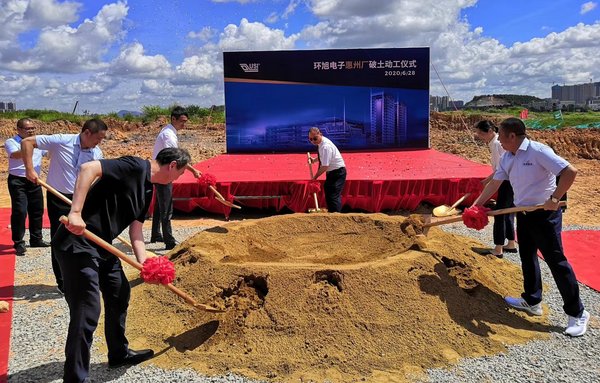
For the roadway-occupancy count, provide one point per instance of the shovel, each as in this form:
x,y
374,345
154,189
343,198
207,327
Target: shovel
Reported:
x,y
316,209
446,211
61,196
428,224
118,253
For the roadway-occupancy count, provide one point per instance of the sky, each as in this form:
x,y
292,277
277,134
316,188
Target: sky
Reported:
x,y
126,54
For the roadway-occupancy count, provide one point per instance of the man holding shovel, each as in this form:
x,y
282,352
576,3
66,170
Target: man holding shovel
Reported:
x,y
163,208
67,152
532,168
119,199
332,163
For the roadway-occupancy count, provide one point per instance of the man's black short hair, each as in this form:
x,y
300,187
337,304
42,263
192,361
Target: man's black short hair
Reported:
x,y
179,111
22,122
94,125
167,155
513,125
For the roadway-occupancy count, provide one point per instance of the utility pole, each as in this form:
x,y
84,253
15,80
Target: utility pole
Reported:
x,y
75,107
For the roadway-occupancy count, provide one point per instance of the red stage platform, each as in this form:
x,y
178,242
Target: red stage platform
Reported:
x,y
376,181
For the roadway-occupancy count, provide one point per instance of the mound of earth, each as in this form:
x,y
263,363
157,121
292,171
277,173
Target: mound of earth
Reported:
x,y
338,297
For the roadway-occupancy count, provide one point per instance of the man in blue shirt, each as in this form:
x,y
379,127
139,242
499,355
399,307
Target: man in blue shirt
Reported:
x,y
532,168
25,196
67,153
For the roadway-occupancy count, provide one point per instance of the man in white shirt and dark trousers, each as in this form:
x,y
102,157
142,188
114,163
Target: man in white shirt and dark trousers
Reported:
x,y
67,153
331,163
532,169
25,196
163,204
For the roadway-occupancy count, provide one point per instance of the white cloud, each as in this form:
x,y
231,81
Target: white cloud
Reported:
x,y
96,85
254,36
197,69
132,62
205,34
18,16
155,87
66,49
16,85
587,7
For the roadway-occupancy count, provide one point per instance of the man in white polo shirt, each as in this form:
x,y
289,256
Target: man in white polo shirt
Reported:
x,y
163,204
532,169
26,197
67,153
331,163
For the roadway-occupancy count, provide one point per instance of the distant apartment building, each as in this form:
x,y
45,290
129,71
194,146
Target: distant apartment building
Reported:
x,y
443,103
7,107
580,94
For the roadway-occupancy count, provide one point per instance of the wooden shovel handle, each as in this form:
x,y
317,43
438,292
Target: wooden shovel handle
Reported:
x,y
459,201
63,198
219,197
122,256
492,213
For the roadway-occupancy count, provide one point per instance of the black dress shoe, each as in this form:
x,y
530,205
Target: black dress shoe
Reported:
x,y
169,246
39,244
507,250
132,358
156,239
20,250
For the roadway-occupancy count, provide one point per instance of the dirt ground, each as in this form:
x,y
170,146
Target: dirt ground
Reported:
x,y
355,297
449,133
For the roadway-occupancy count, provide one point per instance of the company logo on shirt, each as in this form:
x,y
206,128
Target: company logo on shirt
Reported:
x,y
527,163
250,68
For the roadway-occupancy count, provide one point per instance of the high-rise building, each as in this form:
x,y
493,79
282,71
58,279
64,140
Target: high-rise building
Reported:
x,y
579,94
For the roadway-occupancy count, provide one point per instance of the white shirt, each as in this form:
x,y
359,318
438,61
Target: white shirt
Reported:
x,y
167,138
496,151
329,155
66,156
16,167
532,172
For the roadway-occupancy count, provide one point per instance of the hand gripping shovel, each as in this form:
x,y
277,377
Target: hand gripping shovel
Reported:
x,y
428,224
118,253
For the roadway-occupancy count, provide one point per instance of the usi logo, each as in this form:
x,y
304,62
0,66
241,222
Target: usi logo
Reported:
x,y
250,68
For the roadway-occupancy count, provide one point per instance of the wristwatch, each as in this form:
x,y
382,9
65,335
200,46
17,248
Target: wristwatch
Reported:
x,y
554,199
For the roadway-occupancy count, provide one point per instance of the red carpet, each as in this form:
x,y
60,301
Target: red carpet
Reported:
x,y
376,181
580,247
7,278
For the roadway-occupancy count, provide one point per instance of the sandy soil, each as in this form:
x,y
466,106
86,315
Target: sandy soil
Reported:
x,y
449,133
355,297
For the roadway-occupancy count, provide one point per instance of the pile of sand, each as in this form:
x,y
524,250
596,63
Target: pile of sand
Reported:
x,y
342,297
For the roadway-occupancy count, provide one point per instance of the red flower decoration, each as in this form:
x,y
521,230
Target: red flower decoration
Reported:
x,y
207,179
314,187
476,217
158,270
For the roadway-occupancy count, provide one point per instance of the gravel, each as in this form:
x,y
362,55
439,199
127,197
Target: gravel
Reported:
x,y
40,319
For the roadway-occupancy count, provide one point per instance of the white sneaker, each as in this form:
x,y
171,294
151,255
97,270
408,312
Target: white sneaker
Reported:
x,y
522,305
578,326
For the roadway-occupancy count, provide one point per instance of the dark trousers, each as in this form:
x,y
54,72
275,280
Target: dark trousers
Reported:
x,y
86,274
334,185
26,198
163,212
56,208
541,230
504,227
